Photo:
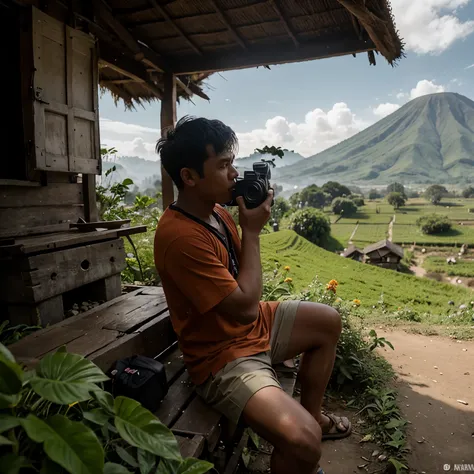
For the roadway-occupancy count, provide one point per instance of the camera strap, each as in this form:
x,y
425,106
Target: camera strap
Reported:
x,y
226,240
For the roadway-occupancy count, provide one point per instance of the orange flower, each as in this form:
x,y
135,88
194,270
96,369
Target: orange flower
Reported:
x,y
356,302
287,268
332,286
288,280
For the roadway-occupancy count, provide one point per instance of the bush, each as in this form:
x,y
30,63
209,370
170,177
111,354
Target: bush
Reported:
x,y
58,419
396,199
311,224
374,194
357,200
344,206
434,224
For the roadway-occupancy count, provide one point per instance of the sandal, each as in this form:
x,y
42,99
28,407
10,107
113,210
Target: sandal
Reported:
x,y
339,428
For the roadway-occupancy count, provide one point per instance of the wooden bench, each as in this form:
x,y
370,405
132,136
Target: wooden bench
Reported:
x,y
138,323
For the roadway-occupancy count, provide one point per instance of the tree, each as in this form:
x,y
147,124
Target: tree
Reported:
x,y
357,199
396,188
335,189
434,224
344,206
313,196
374,194
468,192
396,199
279,208
435,193
311,224
295,199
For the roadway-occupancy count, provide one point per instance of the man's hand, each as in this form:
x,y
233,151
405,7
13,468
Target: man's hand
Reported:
x,y
252,221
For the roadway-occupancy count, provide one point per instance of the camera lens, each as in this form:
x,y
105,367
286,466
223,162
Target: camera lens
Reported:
x,y
255,193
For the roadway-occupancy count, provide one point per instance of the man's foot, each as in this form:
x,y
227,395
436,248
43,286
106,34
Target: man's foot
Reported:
x,y
335,427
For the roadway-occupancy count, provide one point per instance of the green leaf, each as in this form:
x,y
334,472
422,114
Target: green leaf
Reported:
x,y
10,377
105,400
6,354
12,463
8,401
372,333
62,348
97,416
7,422
345,372
113,468
126,456
66,378
140,428
5,441
167,467
50,467
66,442
389,344
254,437
246,457
394,423
194,466
366,438
146,461
399,467
127,182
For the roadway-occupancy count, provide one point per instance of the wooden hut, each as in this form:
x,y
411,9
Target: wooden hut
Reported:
x,y
384,254
354,253
59,54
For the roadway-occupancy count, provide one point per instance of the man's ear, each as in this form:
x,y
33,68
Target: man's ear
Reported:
x,y
189,176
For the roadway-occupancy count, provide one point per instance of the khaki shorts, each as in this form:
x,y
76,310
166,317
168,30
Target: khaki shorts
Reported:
x,y
229,390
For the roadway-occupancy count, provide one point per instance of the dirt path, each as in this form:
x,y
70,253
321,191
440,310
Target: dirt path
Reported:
x,y
353,233
434,373
390,227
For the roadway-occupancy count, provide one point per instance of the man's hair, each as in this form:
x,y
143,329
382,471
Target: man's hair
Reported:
x,y
185,145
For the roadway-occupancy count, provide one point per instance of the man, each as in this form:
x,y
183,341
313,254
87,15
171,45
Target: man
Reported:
x,y
212,280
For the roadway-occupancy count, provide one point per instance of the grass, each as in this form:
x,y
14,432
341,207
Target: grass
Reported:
x,y
462,268
369,233
356,280
409,233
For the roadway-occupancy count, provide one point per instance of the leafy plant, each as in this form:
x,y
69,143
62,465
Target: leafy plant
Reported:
x,y
396,199
311,224
9,335
57,419
434,224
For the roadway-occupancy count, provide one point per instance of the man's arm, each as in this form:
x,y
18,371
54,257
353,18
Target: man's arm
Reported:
x,y
242,304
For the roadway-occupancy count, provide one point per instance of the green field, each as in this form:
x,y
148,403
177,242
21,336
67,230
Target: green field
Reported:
x,y
370,233
357,280
462,268
409,233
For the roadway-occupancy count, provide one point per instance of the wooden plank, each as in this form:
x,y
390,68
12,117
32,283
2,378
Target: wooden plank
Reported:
x,y
325,47
152,338
173,363
28,220
134,319
202,419
54,194
168,121
50,311
178,397
191,447
234,461
54,273
36,345
35,244
19,182
152,290
92,341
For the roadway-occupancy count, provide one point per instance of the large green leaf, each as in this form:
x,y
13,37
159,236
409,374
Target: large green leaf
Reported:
x,y
126,456
10,376
146,461
66,378
140,428
5,442
194,466
105,400
7,422
97,416
12,463
71,444
6,354
8,401
113,468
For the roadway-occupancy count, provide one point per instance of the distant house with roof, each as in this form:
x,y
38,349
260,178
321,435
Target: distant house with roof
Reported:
x,y
384,254
354,253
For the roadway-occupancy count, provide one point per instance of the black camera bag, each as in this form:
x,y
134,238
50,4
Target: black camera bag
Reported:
x,y
142,379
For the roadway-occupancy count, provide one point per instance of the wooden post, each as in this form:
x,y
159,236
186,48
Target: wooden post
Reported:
x,y
168,120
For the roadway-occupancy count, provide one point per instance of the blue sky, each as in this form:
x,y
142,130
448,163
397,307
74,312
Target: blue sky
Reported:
x,y
313,105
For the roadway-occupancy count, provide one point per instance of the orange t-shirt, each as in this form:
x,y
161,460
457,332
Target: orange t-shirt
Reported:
x,y
193,265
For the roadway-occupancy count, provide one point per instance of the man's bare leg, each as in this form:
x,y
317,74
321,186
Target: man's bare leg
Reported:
x,y
315,335
293,432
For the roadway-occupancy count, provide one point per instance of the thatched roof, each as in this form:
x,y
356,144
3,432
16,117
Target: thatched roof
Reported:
x,y
384,245
193,38
352,250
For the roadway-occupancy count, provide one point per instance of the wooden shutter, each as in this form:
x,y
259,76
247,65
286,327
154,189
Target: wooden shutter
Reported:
x,y
65,92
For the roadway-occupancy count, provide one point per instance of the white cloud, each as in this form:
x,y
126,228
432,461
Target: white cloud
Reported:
x,y
383,110
129,139
319,130
470,67
425,87
401,95
431,26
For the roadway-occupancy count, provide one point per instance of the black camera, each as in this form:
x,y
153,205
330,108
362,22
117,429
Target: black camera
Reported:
x,y
253,187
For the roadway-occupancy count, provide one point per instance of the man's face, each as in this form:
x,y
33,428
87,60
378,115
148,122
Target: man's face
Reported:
x,y
219,177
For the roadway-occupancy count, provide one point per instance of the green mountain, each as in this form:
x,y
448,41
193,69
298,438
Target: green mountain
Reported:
x,y
428,140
